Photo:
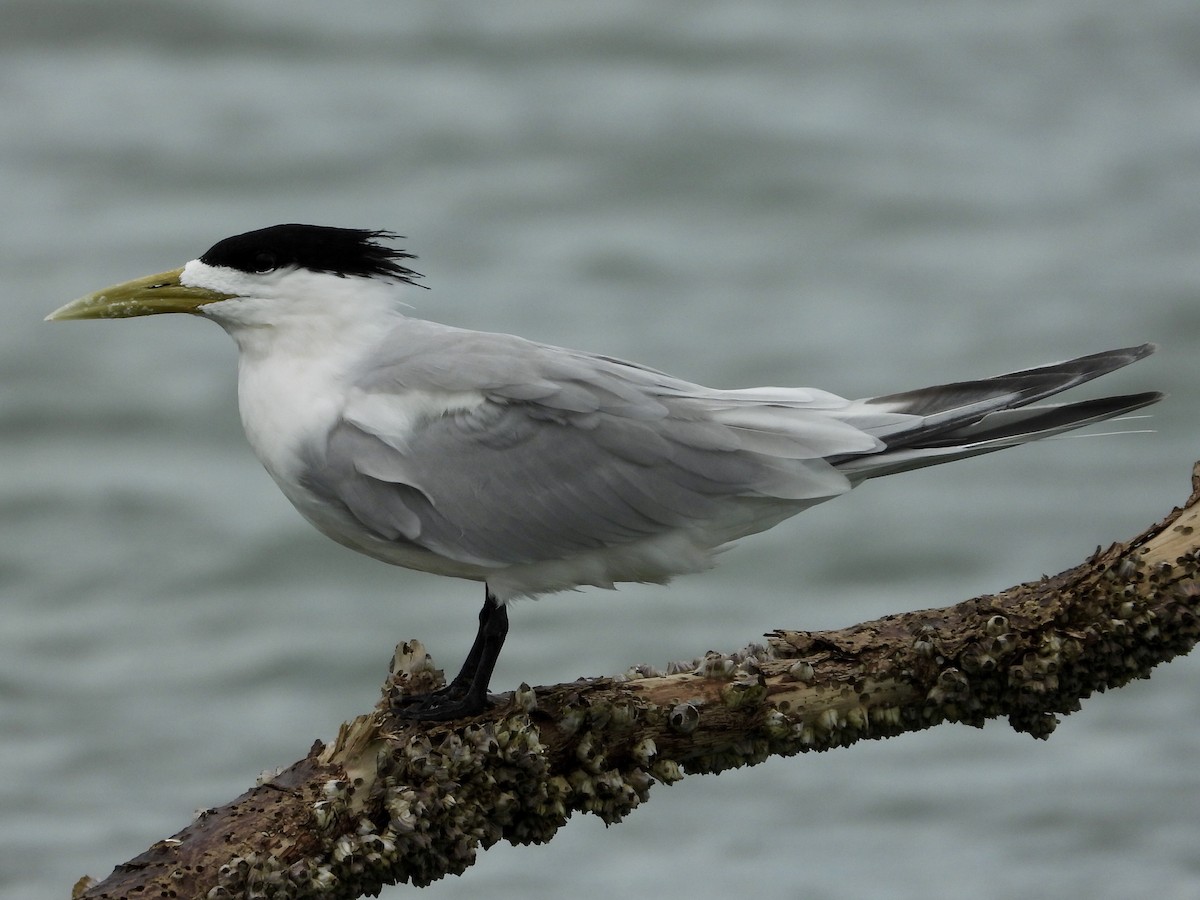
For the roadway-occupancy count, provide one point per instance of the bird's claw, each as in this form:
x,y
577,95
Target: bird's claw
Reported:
x,y
450,702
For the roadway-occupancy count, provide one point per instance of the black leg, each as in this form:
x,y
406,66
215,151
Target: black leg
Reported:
x,y
466,695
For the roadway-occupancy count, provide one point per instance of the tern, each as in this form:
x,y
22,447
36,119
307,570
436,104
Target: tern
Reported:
x,y
535,468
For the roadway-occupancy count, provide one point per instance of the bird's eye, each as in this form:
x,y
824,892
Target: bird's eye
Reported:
x,y
264,262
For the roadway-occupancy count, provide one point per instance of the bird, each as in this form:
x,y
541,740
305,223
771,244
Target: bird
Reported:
x,y
534,468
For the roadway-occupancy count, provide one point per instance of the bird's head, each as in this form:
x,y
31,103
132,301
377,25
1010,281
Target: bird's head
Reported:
x,y
261,275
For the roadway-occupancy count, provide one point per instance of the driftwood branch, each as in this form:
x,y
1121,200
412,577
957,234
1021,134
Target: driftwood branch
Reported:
x,y
392,801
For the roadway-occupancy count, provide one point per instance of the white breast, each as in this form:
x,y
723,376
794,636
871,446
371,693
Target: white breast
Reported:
x,y
287,405
296,363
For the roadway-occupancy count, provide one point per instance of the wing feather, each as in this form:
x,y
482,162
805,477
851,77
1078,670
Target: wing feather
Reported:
x,y
492,450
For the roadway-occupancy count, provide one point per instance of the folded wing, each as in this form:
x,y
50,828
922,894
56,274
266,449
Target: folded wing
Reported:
x,y
496,451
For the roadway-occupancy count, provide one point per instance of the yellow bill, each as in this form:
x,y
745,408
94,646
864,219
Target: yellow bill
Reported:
x,y
148,296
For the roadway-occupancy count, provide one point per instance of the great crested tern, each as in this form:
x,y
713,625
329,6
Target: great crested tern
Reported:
x,y
535,468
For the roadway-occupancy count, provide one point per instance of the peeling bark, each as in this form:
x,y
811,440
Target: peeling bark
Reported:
x,y
392,801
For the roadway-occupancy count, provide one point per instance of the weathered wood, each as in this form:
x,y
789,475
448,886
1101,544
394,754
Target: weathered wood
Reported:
x,y
393,801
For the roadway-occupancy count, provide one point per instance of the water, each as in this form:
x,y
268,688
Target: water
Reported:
x,y
863,197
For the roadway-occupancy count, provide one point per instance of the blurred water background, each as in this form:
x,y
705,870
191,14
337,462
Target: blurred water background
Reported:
x,y
863,197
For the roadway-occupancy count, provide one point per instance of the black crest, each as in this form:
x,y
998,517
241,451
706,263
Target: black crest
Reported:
x,y
318,248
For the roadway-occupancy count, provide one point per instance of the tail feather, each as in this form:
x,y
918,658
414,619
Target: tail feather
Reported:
x,y
946,422
1041,421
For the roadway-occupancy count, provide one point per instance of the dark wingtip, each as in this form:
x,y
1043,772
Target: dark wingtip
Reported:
x,y
1142,350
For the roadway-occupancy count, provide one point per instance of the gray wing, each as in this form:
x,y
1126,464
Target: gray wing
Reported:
x,y
527,452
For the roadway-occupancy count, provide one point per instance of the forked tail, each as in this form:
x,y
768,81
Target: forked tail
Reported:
x,y
951,421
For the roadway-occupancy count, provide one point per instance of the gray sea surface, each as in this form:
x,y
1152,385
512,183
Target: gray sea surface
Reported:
x,y
863,197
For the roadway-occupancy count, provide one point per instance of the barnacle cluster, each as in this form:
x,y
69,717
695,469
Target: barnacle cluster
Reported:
x,y
436,797
429,800
1099,631
1117,625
